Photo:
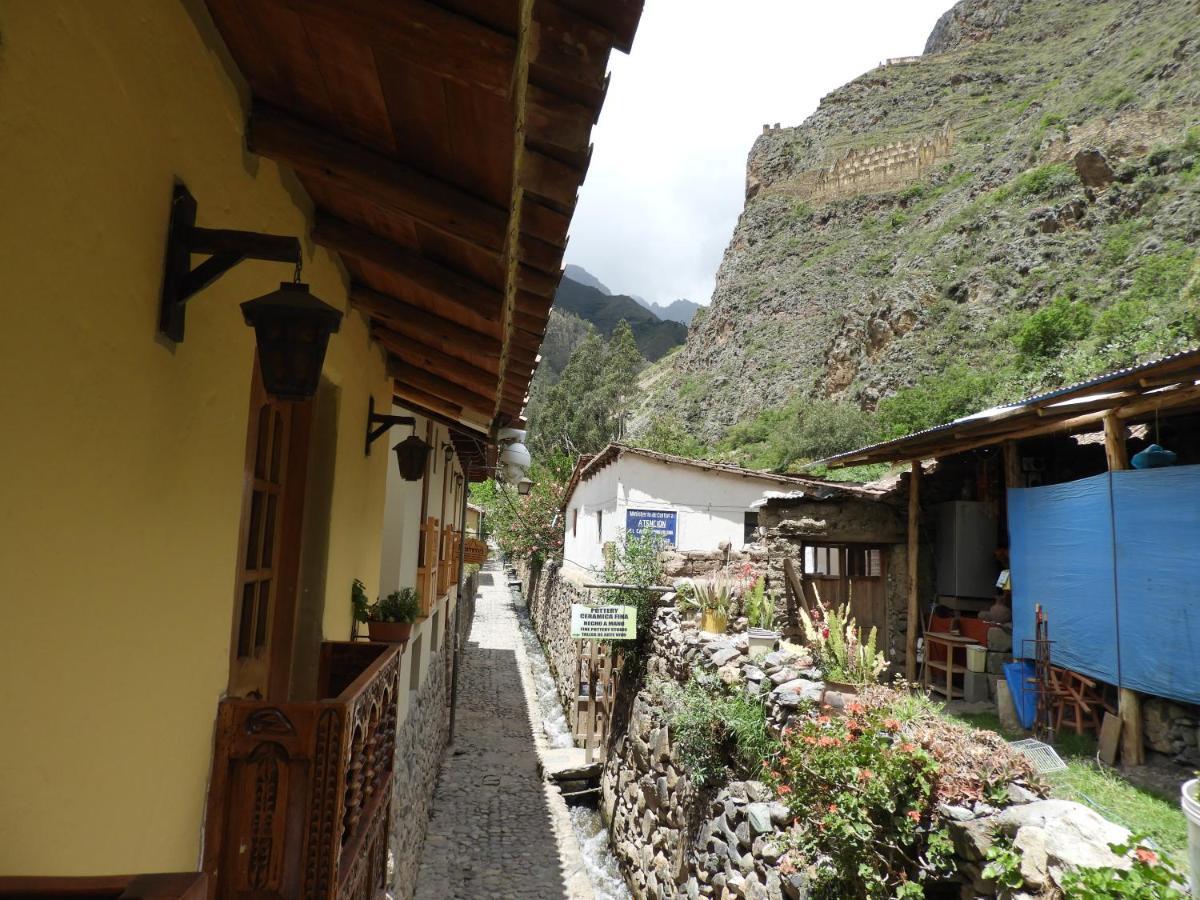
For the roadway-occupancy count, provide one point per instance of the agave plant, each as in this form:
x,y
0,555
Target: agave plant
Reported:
x,y
760,606
715,593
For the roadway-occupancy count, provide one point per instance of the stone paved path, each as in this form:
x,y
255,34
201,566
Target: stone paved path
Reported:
x,y
493,833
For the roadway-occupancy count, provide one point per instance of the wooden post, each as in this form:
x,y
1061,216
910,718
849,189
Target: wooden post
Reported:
x,y
1114,442
1129,703
1012,466
914,606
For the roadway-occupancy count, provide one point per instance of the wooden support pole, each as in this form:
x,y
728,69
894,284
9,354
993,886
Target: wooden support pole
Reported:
x,y
914,605
1012,466
1129,704
1114,442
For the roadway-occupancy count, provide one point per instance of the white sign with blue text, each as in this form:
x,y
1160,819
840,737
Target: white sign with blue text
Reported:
x,y
657,521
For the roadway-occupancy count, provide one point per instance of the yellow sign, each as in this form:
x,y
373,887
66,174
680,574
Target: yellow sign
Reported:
x,y
603,623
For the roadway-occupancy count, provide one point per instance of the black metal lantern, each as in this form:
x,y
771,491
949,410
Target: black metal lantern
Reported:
x,y
411,454
292,328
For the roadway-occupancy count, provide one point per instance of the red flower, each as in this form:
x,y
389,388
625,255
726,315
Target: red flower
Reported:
x,y
866,775
1146,856
907,747
833,807
784,789
855,709
891,724
824,720
914,815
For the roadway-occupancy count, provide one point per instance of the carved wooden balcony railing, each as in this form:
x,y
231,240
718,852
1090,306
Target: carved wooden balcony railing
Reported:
x,y
172,886
300,800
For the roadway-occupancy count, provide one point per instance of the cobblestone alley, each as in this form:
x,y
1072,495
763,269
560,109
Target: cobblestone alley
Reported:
x,y
496,830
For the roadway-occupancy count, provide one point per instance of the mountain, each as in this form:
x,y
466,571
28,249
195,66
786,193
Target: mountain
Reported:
x,y
1017,208
681,311
654,336
580,275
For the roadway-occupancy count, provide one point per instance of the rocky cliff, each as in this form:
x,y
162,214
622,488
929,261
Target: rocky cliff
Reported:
x,y
1040,155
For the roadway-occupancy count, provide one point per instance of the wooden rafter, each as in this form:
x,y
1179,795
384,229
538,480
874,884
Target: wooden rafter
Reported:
x,y
448,285
375,177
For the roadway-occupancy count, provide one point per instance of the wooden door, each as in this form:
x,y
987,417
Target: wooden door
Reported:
x,y
269,545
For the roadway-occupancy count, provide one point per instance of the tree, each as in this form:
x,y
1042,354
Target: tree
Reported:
x,y
530,526
585,409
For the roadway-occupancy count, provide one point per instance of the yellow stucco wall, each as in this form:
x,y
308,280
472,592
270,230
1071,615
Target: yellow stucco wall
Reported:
x,y
122,459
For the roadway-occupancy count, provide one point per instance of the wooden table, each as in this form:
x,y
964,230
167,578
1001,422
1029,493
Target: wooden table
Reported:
x,y
951,643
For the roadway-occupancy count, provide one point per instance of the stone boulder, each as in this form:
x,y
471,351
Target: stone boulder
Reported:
x,y
1053,836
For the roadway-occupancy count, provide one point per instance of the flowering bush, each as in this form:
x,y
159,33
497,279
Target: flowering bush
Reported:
x,y
530,526
838,646
862,797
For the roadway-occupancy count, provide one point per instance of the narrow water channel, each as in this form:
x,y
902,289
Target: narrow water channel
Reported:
x,y
592,836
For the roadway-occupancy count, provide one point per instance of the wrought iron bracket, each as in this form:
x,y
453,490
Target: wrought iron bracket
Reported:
x,y
225,249
379,423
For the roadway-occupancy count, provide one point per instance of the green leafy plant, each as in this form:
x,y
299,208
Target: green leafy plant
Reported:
x,y
635,560
1149,877
1004,864
403,606
838,646
862,797
760,605
359,602
715,593
1045,332
717,732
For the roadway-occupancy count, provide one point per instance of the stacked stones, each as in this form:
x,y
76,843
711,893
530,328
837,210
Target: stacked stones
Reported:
x,y
1172,729
675,840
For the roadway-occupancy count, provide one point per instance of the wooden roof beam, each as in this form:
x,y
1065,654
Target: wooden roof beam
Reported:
x,y
377,178
450,286
465,375
619,17
457,48
415,323
446,390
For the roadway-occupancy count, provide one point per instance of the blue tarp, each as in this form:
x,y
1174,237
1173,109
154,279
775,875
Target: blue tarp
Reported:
x,y
1132,618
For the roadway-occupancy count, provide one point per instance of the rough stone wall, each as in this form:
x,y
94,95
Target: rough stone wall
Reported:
x,y
887,167
1172,729
550,597
420,744
788,527
676,840
700,563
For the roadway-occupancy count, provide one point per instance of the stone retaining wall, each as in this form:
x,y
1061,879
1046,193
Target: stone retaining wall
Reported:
x,y
676,840
420,744
549,597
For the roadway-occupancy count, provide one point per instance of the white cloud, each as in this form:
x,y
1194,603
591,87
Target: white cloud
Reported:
x,y
667,176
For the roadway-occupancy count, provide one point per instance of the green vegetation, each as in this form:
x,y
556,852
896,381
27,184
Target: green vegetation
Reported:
x,y
667,434
1086,781
957,391
717,732
800,430
586,408
528,526
1149,877
635,560
1044,182
1045,332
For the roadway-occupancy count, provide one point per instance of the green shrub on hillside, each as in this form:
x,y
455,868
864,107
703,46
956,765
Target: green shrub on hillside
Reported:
x,y
718,732
667,434
1045,332
798,431
935,399
1045,182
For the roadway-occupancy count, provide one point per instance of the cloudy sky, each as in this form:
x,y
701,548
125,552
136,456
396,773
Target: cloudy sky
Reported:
x,y
666,181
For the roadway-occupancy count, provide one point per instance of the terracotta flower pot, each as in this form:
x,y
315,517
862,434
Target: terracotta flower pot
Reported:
x,y
714,621
389,632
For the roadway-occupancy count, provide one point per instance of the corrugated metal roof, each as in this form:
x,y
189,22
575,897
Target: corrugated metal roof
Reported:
x,y
1059,400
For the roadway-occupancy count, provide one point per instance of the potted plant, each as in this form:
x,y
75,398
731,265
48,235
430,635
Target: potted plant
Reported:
x,y
847,661
714,597
391,619
760,611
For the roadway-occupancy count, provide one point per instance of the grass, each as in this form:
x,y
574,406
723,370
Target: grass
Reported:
x,y
1104,790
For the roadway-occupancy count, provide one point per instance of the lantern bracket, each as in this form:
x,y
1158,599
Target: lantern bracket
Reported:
x,y
225,249
382,422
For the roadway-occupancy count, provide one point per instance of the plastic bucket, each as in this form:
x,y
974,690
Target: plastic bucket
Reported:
x,y
976,658
1190,801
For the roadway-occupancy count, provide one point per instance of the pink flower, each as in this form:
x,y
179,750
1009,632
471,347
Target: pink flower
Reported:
x,y
1146,856
914,815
